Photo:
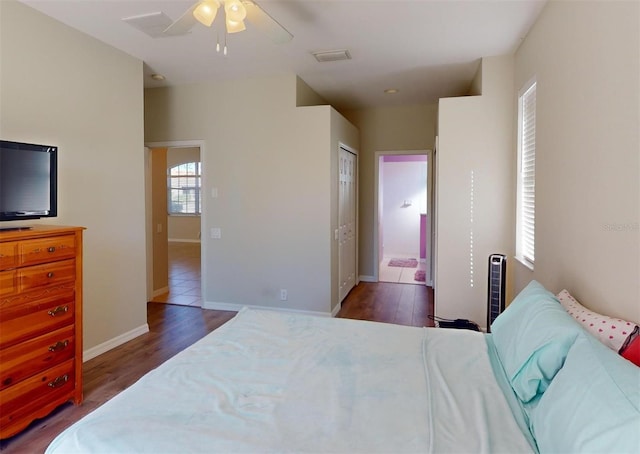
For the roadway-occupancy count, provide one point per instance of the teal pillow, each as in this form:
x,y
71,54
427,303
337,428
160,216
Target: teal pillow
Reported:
x,y
592,405
532,337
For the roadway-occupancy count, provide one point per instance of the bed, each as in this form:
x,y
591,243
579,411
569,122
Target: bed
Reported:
x,y
270,381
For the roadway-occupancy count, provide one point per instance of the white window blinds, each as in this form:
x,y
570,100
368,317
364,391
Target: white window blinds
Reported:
x,y
183,185
525,247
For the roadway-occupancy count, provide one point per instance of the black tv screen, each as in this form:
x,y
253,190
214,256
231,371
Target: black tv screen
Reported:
x,y
28,181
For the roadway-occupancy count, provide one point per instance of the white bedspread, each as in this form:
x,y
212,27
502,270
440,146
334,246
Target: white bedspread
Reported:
x,y
278,382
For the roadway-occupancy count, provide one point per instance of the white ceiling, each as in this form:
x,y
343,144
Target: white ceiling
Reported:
x,y
426,49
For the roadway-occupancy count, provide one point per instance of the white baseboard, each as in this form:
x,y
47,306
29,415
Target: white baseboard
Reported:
x,y
336,309
160,291
236,307
182,240
367,279
113,343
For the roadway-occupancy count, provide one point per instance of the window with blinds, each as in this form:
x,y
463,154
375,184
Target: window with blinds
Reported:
x,y
184,189
525,229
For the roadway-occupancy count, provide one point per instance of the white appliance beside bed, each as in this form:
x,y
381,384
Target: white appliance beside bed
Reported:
x,y
271,381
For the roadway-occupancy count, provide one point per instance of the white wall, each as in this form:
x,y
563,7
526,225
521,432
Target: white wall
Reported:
x,y
476,153
61,87
403,182
585,56
272,165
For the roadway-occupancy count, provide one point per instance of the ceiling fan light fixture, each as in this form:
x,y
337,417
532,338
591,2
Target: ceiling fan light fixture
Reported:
x,y
235,10
206,11
235,26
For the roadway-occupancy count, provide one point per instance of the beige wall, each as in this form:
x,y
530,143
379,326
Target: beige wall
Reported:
x,y
475,153
183,228
476,83
60,87
159,220
306,96
385,129
271,164
585,56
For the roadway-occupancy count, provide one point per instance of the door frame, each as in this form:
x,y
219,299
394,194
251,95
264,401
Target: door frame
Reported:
x,y
203,200
430,211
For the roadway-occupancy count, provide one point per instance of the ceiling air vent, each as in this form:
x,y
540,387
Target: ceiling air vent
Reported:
x,y
332,55
152,24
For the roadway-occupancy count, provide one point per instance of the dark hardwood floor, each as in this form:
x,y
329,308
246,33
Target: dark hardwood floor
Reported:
x,y
172,328
402,304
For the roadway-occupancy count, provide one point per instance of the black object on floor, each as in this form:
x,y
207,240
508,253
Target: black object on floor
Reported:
x,y
459,323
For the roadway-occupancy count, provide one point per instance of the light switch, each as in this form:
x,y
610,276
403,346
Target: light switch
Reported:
x,y
214,193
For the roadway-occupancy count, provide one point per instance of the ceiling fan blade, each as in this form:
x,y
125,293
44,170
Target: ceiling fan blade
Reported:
x,y
265,23
184,24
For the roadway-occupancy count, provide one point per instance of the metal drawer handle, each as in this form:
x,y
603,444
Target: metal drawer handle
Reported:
x,y
60,345
52,249
59,381
50,274
58,310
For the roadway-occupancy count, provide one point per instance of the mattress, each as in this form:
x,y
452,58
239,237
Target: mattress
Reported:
x,y
270,381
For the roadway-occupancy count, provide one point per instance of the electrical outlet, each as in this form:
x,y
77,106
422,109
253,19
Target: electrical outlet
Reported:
x,y
216,233
283,294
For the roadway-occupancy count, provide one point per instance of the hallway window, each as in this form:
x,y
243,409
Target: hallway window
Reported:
x,y
183,183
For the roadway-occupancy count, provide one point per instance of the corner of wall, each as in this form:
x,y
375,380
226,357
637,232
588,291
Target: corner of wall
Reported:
x,y
496,74
306,96
476,83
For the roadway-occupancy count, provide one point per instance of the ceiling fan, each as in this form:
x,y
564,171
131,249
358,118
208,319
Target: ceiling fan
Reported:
x,y
235,13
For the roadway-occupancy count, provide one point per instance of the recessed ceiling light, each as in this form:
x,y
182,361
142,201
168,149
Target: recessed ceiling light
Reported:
x,y
391,91
157,76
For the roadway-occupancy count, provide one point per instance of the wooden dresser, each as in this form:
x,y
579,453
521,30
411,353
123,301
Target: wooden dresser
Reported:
x,y
40,323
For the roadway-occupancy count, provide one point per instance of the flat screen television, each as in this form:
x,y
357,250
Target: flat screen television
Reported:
x,y
28,181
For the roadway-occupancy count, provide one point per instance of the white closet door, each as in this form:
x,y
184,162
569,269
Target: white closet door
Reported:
x,y
347,204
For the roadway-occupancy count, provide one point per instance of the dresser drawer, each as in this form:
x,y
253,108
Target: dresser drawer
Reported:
x,y
29,396
35,355
23,317
47,274
40,323
8,255
8,282
32,252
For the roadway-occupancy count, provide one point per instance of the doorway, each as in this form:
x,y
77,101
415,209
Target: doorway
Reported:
x,y
175,207
403,217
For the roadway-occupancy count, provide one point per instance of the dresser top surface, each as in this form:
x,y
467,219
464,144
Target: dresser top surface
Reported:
x,y
9,233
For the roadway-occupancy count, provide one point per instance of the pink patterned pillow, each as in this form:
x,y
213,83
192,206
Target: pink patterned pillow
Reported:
x,y
612,332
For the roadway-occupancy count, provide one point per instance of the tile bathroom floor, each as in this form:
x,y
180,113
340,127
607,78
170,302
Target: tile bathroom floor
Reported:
x,y
399,274
184,275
